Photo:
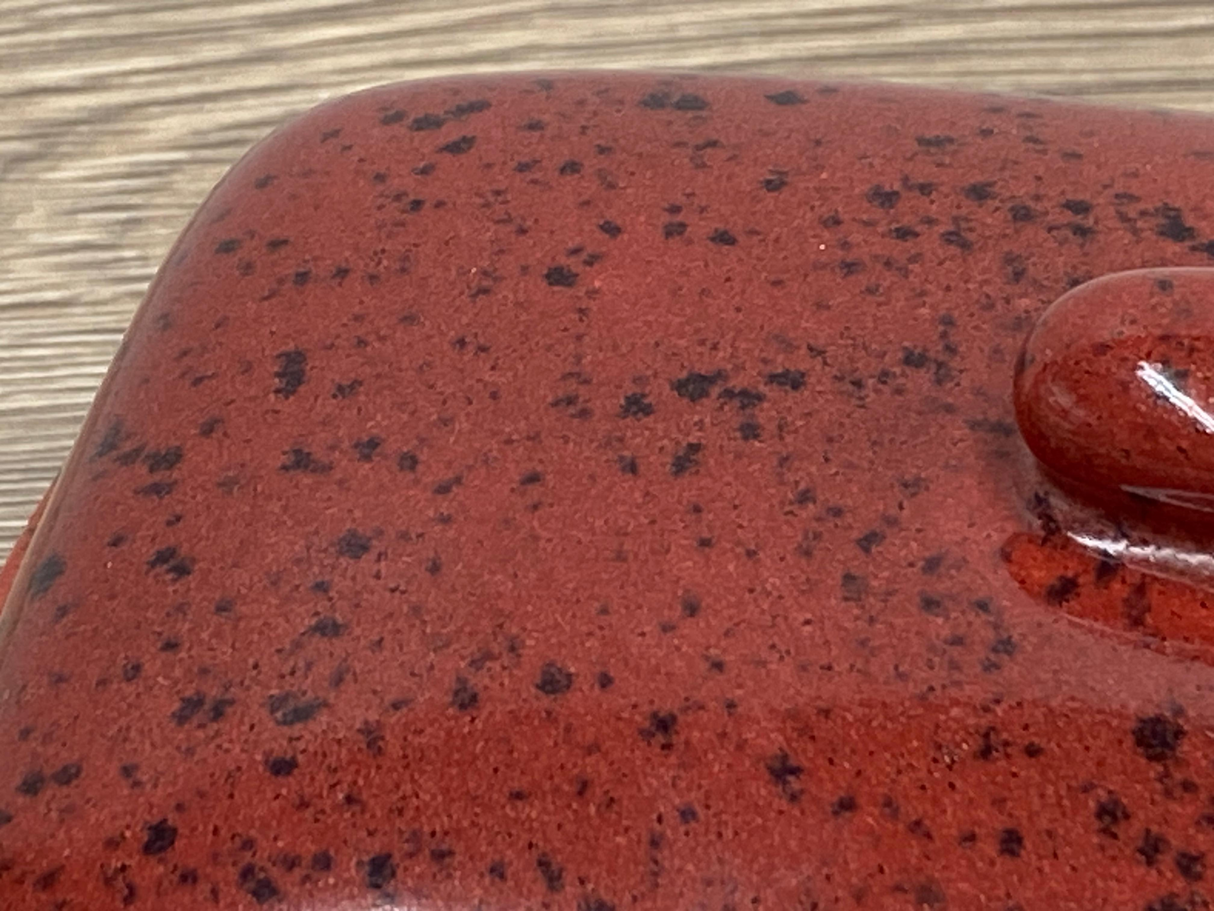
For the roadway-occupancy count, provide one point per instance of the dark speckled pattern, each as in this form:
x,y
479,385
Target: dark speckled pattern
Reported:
x,y
599,492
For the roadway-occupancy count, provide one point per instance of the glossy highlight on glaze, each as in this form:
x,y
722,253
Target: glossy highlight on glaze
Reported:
x,y
605,491
1115,388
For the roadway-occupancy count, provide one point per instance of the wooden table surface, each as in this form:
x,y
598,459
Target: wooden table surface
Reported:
x,y
117,116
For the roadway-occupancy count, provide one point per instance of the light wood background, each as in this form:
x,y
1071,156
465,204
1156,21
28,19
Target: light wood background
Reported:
x,y
116,117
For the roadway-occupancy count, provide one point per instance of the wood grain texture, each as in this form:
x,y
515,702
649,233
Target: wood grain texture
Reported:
x,y
117,117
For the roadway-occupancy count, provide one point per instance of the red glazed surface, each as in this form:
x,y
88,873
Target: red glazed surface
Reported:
x,y
603,492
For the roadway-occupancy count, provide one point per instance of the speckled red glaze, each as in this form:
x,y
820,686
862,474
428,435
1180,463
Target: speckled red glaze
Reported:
x,y
594,491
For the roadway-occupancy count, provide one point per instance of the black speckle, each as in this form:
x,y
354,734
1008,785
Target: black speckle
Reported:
x,y
931,564
775,182
1021,213
570,167
674,229
610,228
1004,645
447,485
229,245
366,448
157,489
425,122
954,238
696,386
688,814
291,708
474,106
786,97
1191,865
750,431
321,861
1172,225
46,881
297,459
1011,842
636,405
685,458
66,774
843,805
110,440
903,232
5,818
281,766
560,277
392,117
552,873
628,464
46,574
187,708
979,192
882,197
407,461
869,540
931,604
993,426
604,680
744,398
292,372
690,604
380,871
787,379
554,680
163,460
353,544
497,870
458,146
257,884
463,696
935,142
1151,847
723,238
161,836
785,774
930,894
1077,206
1158,737
31,783
1111,812
854,587
1061,590
690,103
661,727
327,627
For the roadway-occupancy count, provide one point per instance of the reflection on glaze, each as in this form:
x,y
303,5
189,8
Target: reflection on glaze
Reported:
x,y
1114,390
1112,396
1163,382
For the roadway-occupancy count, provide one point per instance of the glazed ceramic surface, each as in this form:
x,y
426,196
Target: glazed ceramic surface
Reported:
x,y
605,491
